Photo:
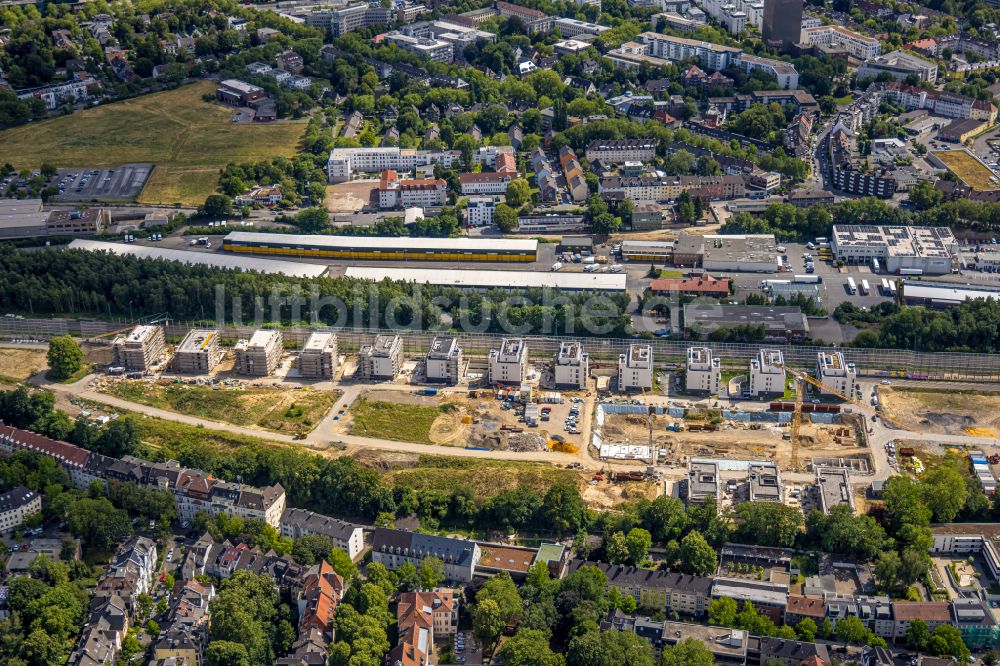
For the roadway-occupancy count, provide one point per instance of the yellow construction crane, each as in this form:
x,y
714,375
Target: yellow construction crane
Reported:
x,y
802,378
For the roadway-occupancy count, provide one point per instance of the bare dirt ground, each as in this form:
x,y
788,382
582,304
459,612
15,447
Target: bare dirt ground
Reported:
x,y
951,413
19,364
476,422
735,440
349,197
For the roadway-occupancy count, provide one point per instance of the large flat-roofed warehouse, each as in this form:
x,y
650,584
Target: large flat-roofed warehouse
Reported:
x,y
654,251
318,358
389,249
945,294
214,259
927,249
260,355
22,218
752,253
833,485
198,352
139,348
485,280
780,323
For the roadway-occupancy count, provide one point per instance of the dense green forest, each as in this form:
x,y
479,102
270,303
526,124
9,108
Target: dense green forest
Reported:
x,y
96,284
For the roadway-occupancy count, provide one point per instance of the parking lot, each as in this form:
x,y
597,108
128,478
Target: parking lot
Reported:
x,y
122,183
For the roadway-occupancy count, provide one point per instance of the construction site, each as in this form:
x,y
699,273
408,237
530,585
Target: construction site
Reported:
x,y
490,419
976,414
731,435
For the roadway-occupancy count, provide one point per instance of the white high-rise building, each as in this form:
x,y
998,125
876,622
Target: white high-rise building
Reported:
x,y
572,365
509,364
635,369
767,373
703,371
444,360
835,372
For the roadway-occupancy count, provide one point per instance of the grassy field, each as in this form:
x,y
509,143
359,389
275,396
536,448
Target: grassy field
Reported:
x,y
486,478
380,419
188,139
285,411
18,364
968,168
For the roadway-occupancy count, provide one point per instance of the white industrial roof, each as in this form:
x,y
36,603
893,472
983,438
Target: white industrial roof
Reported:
x,y
390,243
949,295
216,259
488,279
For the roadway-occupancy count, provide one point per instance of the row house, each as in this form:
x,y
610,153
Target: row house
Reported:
x,y
185,635
322,590
193,490
394,548
575,182
113,606
421,617
297,523
673,592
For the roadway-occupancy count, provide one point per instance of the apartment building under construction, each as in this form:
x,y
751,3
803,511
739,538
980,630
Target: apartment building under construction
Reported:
x,y
198,353
260,355
139,349
318,359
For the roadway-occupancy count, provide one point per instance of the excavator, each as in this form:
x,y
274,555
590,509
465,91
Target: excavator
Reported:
x,y
802,378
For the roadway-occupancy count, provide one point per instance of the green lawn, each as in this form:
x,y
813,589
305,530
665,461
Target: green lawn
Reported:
x,y
280,410
845,100
380,419
189,140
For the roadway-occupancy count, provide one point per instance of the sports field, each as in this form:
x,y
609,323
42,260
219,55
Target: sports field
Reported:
x,y
968,169
187,139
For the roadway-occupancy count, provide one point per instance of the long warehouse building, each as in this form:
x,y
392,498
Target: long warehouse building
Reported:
x,y
484,280
214,259
389,249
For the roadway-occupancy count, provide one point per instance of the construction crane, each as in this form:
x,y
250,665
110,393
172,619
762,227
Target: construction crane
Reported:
x,y
806,377
154,320
801,379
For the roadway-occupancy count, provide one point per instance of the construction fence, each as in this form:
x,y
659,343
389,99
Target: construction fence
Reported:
x,y
604,352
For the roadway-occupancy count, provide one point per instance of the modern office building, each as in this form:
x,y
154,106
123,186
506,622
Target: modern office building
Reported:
x,y
198,353
437,50
444,362
635,369
782,27
767,373
509,364
703,372
572,366
931,250
382,359
261,354
857,45
900,65
318,358
479,211
138,350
